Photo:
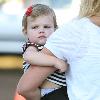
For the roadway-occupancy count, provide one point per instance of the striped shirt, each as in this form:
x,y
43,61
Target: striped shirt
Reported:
x,y
57,77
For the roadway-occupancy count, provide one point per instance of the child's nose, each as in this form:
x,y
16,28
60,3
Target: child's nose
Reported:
x,y
41,30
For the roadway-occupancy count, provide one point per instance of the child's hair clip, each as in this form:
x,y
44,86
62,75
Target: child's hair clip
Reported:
x,y
29,11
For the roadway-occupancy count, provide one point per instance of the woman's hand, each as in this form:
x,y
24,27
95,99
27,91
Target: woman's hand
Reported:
x,y
29,50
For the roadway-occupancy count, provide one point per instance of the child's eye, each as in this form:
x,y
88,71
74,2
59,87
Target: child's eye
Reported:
x,y
47,26
35,27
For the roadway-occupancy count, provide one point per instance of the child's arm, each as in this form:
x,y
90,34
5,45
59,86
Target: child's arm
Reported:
x,y
41,59
33,78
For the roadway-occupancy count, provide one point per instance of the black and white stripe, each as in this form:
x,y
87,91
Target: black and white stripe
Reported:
x,y
57,78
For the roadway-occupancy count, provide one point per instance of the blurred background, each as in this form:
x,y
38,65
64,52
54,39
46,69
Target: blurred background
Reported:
x,y
12,39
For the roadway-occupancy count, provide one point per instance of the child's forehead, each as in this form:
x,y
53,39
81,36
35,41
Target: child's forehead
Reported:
x,y
32,19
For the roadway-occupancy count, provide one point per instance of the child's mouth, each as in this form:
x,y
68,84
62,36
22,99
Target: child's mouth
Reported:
x,y
42,37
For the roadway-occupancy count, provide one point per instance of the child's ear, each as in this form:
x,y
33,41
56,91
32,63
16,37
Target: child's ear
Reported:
x,y
56,28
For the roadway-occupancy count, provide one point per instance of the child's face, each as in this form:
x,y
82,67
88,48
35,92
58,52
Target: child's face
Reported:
x,y
40,29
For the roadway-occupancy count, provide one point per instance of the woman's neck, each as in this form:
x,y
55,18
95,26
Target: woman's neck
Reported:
x,y
95,20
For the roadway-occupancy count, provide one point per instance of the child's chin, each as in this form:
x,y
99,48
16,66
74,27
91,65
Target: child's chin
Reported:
x,y
42,42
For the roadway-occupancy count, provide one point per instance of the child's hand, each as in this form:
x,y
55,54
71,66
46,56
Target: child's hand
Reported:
x,y
61,65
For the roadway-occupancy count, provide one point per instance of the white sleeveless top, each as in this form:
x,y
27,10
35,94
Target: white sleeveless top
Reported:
x,y
79,43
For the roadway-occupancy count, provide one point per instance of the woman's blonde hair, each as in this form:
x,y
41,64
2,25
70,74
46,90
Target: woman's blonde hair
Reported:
x,y
37,10
89,8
